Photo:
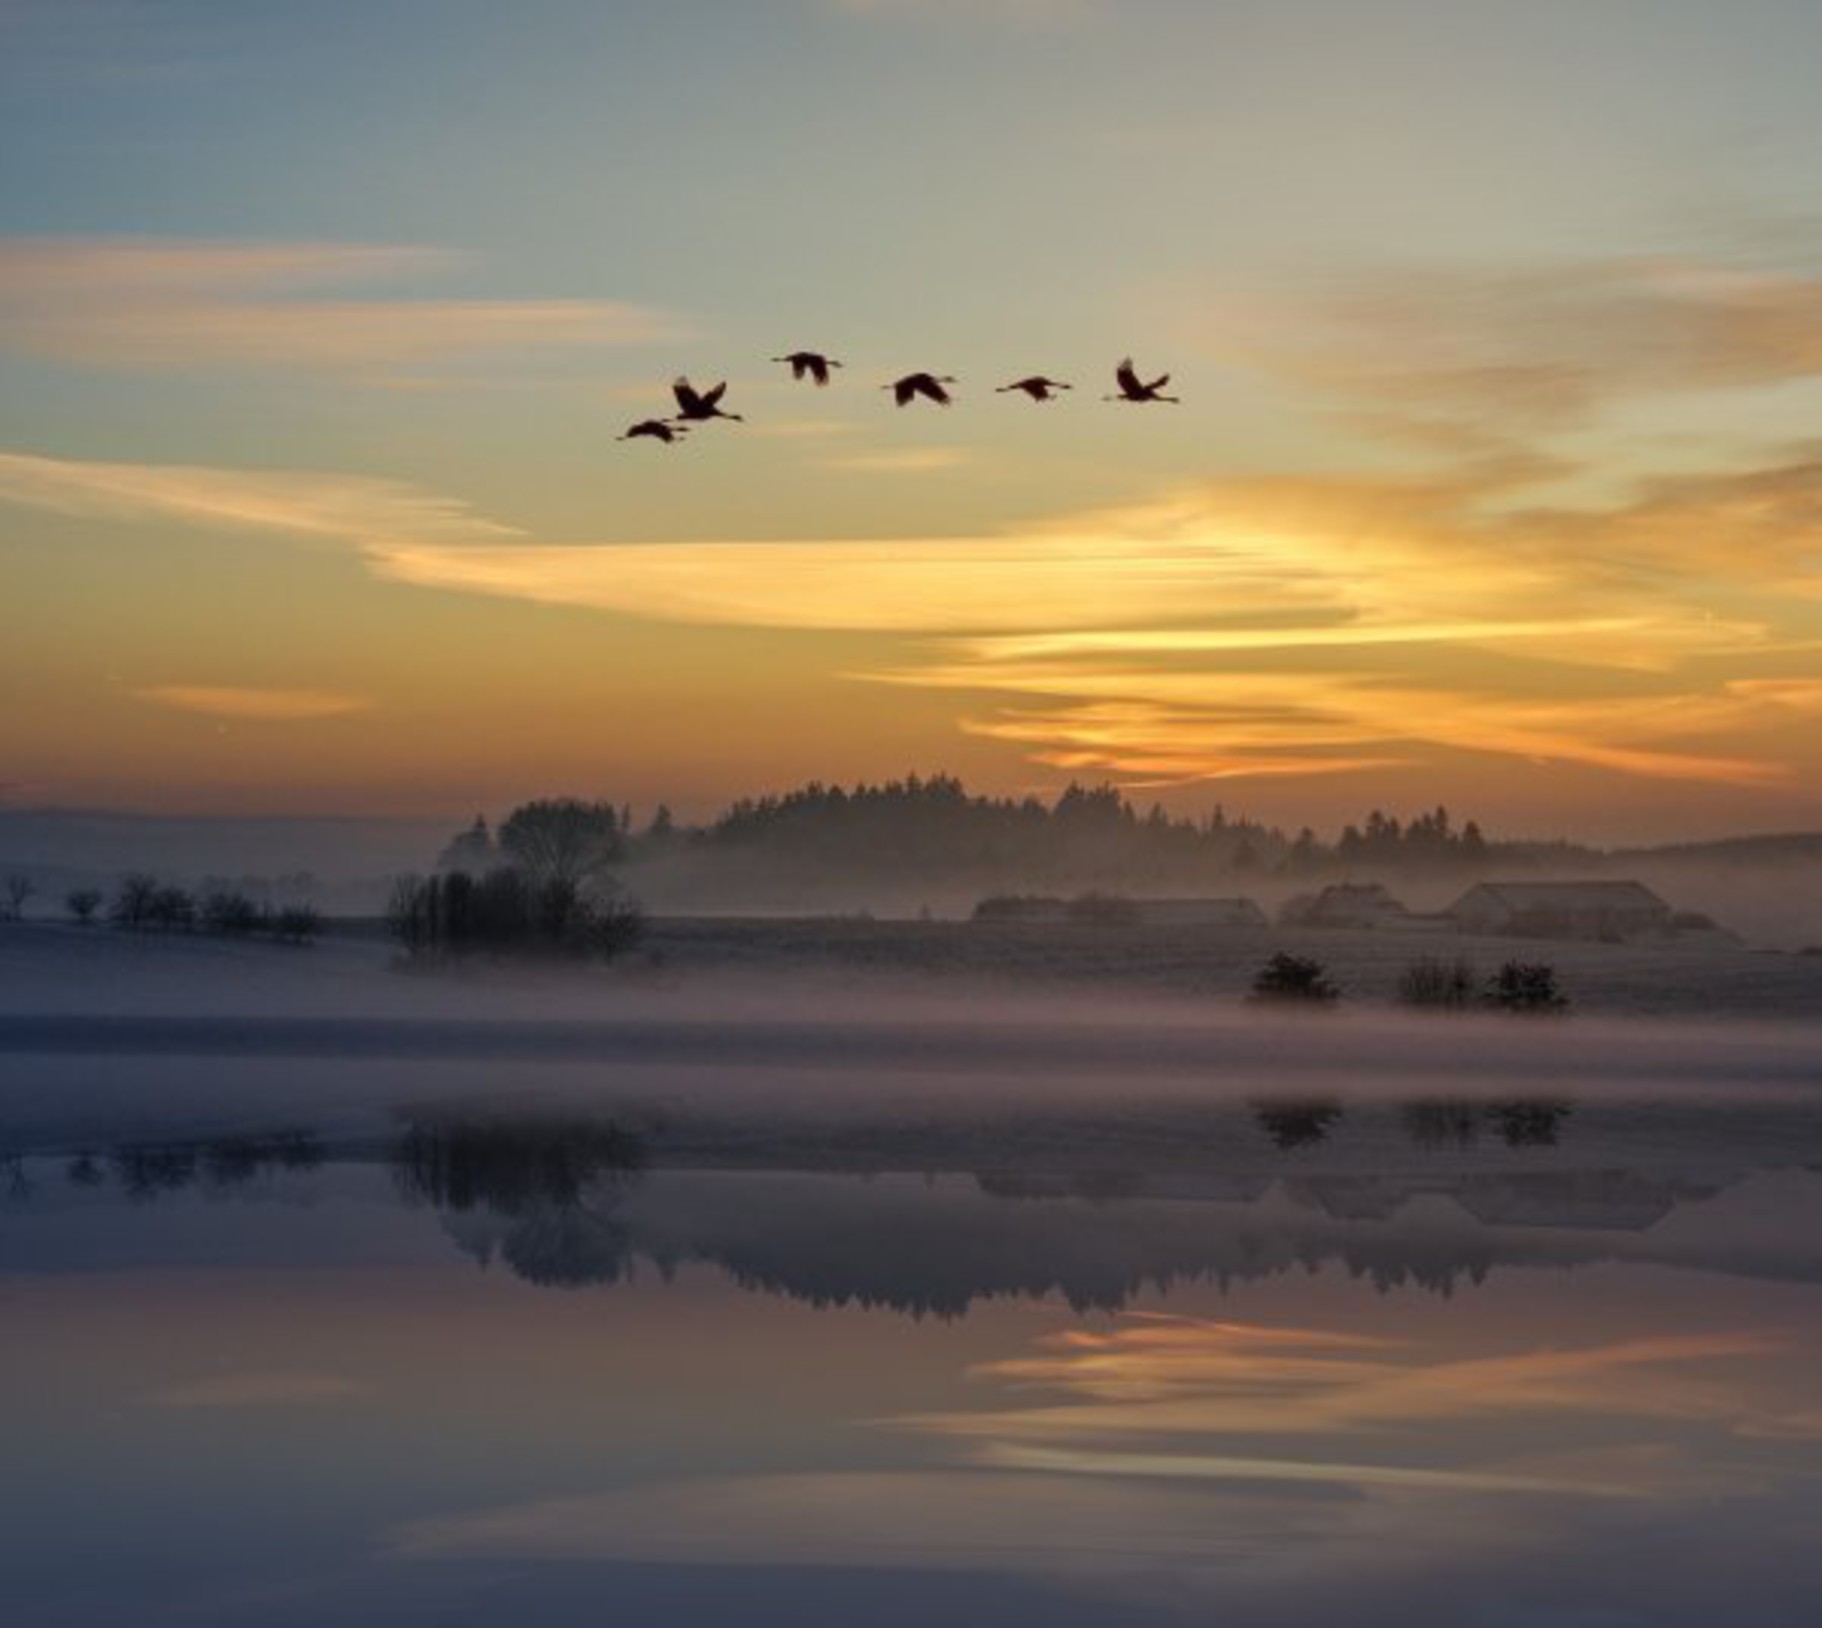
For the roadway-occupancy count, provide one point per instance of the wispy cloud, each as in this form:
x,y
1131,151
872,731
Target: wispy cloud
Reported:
x,y
248,704
188,304
901,460
1264,628
1530,345
350,509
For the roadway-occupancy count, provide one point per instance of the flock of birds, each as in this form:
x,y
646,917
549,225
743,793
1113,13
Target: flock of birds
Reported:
x,y
700,406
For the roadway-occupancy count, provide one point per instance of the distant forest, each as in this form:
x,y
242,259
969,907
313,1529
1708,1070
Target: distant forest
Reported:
x,y
934,831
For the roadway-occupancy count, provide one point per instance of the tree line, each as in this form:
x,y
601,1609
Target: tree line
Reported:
x,y
934,823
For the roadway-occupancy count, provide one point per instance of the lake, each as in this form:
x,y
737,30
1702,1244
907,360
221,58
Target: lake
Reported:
x,y
1293,1361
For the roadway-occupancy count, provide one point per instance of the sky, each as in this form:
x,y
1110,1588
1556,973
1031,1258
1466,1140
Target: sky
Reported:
x,y
1496,478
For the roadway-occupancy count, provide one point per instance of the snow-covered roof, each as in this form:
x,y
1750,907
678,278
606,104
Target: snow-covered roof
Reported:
x,y
1589,895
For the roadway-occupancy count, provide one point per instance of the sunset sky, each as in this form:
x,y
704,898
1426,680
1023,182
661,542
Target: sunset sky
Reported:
x,y
1497,478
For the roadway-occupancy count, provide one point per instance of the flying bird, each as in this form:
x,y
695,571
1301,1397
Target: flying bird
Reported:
x,y
809,364
912,385
698,406
1037,387
1132,388
656,428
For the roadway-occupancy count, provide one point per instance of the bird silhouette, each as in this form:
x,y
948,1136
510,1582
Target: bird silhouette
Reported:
x,y
1037,387
698,406
1132,388
809,364
912,385
656,428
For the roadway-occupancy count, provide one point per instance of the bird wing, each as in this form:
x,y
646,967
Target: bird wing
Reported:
x,y
1127,377
819,368
686,395
934,391
712,398
1159,382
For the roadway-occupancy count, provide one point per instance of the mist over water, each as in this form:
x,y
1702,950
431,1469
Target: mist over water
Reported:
x,y
789,1291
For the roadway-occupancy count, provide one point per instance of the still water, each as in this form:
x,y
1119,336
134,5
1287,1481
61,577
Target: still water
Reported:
x,y
1417,1364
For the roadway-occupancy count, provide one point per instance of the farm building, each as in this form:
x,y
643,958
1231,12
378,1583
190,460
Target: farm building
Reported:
x,y
1346,904
1608,910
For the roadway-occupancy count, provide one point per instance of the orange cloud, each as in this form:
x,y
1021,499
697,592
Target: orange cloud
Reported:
x,y
250,705
1269,628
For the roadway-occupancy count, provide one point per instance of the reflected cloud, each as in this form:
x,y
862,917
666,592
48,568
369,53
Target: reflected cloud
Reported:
x,y
1161,1397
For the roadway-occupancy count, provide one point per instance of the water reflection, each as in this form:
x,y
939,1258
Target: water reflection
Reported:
x,y
1296,1124
1174,1398
1432,1192
550,1185
1533,1122
512,1163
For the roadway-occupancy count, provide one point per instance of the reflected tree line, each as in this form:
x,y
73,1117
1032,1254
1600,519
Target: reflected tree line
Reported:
x,y
546,1194
514,1163
556,1181
1431,1122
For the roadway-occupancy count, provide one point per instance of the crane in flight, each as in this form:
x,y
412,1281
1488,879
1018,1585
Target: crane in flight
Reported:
x,y
699,406
928,385
1132,388
1038,387
654,428
809,364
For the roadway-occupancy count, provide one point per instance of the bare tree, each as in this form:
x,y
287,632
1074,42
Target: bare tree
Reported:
x,y
562,840
18,890
133,901
82,903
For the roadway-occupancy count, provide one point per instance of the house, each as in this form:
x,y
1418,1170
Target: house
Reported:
x,y
1346,904
1601,910
1200,913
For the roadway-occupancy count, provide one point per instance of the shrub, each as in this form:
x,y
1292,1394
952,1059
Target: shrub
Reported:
x,y
1431,981
1293,979
615,924
1525,986
82,903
